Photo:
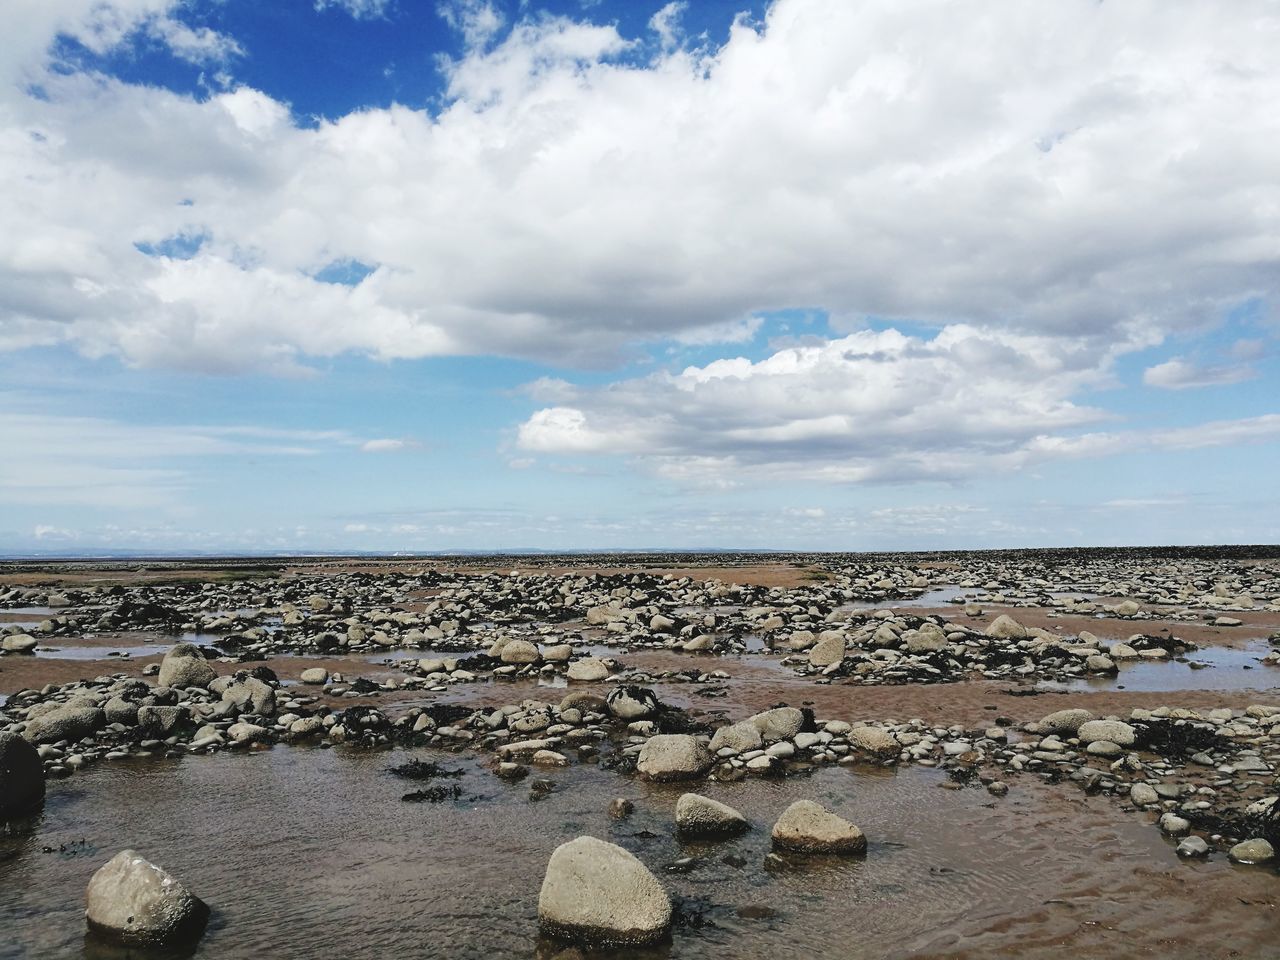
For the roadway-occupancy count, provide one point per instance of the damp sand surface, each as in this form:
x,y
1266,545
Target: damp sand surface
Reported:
x,y
311,852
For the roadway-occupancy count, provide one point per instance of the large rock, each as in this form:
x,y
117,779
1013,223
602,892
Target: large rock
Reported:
x,y
18,643
632,703
185,666
878,742
588,669
250,695
698,816
134,902
1113,731
66,723
673,756
1065,721
598,894
828,650
21,776
738,737
161,721
1004,627
780,723
520,651
314,676
807,827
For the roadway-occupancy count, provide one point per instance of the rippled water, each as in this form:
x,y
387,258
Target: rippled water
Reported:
x,y
1223,669
311,853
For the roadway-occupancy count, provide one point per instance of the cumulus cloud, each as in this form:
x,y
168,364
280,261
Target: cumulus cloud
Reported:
x,y
1180,374
386,445
359,9
1042,172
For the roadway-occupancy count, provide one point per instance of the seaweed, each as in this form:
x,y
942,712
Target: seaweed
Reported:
x,y
424,770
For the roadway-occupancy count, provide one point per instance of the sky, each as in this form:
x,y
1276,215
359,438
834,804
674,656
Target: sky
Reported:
x,y
399,275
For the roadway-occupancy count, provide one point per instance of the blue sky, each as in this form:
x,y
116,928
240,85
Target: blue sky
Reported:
x,y
388,275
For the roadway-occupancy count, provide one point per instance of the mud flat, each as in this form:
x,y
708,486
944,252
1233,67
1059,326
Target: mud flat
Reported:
x,y
1046,751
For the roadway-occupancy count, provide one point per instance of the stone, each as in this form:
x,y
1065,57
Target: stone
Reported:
x,y
1115,731
620,808
1143,795
315,676
828,650
1127,608
65,723
250,695
21,777
1173,825
134,902
18,643
738,737
780,723
632,703
559,653
520,651
700,817
1065,721
588,670
1193,847
248,733
1004,627
807,827
597,894
875,741
1256,850
161,721
673,756
185,666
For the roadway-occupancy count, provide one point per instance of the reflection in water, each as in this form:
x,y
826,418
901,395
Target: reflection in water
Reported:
x,y
1212,668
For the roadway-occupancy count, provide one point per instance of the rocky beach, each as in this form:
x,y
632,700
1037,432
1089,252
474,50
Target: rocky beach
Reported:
x,y
1001,754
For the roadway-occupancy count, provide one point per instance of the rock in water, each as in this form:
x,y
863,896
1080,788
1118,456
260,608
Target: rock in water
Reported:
x,y
806,827
673,756
780,723
134,902
65,723
698,816
599,894
21,776
632,703
1256,850
588,669
185,666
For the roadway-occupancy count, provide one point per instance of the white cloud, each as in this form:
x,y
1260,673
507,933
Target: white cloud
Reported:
x,y
359,9
1099,170
386,445
1180,374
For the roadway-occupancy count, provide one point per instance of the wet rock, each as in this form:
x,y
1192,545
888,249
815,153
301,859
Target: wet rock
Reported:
x,y
21,776
1256,850
829,649
1193,847
1173,825
632,703
701,817
878,742
134,902
18,643
673,756
588,670
161,721
1114,731
1004,627
807,827
780,723
68,723
738,737
620,808
315,676
250,695
519,651
185,666
1143,795
597,894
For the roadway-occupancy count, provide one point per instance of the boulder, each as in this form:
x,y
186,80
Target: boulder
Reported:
x,y
133,902
698,816
588,669
807,827
1065,721
1113,731
21,776
250,695
520,651
185,666
1256,850
315,676
876,741
632,703
828,650
18,643
673,756
559,653
1004,627
161,722
598,894
69,723
780,723
738,737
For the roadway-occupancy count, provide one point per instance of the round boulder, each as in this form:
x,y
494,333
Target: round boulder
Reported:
x,y
1004,627
66,723
133,902
828,650
21,776
738,737
520,651
632,703
588,669
673,756
598,894
185,666
780,723
18,643
1113,731
698,816
807,827
1065,721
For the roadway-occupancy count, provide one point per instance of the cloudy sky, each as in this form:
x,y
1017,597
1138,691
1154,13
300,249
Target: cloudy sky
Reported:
x,y
405,275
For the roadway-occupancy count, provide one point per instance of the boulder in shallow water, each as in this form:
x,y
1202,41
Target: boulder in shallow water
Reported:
x,y
780,723
68,723
698,816
21,776
185,666
598,894
132,901
807,827
673,756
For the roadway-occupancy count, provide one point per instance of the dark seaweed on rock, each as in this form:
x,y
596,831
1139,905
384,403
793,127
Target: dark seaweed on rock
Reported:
x,y
675,720
447,713
1238,824
424,770
1176,738
434,795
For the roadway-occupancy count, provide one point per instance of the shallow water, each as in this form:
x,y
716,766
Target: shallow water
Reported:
x,y
100,652
1226,669
311,853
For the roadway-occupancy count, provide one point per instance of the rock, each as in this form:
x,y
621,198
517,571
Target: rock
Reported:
x,y
738,737
1004,627
161,721
632,703
18,643
305,727
1256,850
315,676
520,651
1116,731
588,670
698,816
250,695
1127,608
875,741
65,723
1173,825
620,808
828,650
1065,721
780,723
598,894
1193,847
1100,664
248,733
21,776
185,666
134,902
806,827
119,710
559,653
1143,795
673,756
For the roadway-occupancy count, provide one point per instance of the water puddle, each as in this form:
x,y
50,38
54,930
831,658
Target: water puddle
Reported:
x,y
100,653
1219,668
